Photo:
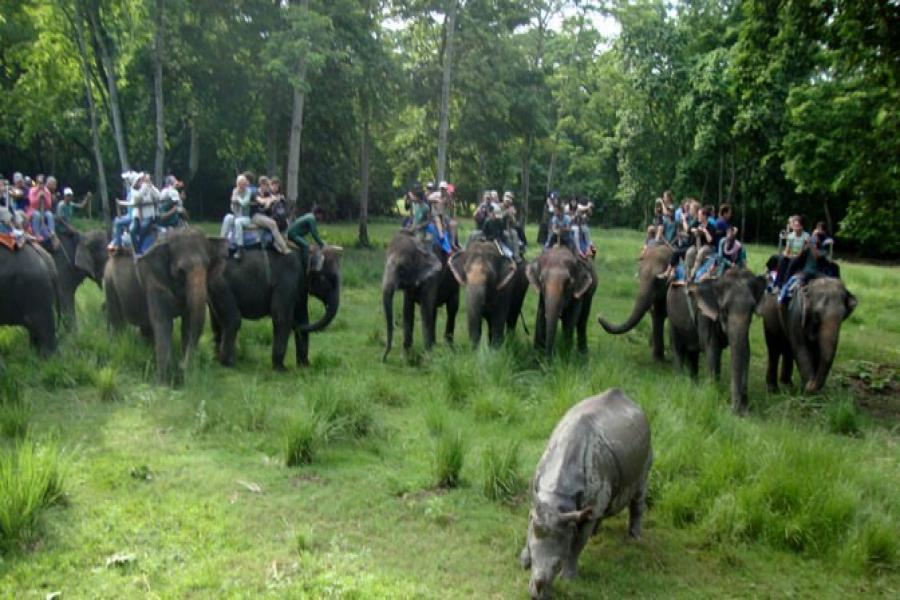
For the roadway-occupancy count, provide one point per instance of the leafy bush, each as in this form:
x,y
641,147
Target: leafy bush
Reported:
x,y
449,455
31,480
500,472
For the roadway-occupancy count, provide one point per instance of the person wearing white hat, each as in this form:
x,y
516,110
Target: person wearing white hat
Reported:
x,y
65,210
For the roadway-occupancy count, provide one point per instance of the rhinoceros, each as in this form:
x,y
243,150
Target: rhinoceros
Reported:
x,y
596,462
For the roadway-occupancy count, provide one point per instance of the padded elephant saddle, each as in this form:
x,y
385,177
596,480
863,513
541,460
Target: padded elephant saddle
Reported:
x,y
253,238
8,241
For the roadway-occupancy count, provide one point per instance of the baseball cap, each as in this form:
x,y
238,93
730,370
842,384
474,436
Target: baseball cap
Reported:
x,y
68,192
443,185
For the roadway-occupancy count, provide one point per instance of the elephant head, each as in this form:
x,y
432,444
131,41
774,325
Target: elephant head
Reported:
x,y
484,272
560,279
91,255
175,276
823,305
408,266
650,288
730,302
325,284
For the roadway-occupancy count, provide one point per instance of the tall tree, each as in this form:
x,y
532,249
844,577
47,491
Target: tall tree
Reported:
x,y
299,99
158,47
446,80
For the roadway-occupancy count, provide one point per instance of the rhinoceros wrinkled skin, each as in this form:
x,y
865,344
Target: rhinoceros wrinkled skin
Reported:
x,y
596,463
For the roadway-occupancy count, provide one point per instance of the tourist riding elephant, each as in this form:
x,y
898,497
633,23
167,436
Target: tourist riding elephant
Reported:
x,y
30,295
170,280
425,280
495,289
806,330
566,286
651,296
711,316
266,283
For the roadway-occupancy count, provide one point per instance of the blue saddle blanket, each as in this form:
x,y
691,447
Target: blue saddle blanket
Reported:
x,y
253,238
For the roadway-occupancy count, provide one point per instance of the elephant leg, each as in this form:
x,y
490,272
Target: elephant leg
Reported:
x,y
787,364
162,338
774,353
217,332
714,359
657,330
677,348
540,325
497,323
693,359
114,317
805,363
301,338
583,316
42,332
409,318
428,311
147,333
281,333
452,309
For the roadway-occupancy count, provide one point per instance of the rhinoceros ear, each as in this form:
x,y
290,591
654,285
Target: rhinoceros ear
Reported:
x,y
577,516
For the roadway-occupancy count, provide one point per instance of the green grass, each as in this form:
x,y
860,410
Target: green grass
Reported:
x,y
801,498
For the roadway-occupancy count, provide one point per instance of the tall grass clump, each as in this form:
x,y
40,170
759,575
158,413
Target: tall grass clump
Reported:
x,y
107,385
874,546
31,480
15,411
346,407
843,417
303,437
457,376
256,406
501,479
449,455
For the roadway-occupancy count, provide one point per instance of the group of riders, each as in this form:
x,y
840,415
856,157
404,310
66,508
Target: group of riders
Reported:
x,y
802,256
431,214
35,209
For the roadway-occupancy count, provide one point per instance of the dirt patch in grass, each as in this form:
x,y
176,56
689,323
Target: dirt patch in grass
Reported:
x,y
875,387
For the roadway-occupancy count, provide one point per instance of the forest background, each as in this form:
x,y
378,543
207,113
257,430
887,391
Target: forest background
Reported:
x,y
776,107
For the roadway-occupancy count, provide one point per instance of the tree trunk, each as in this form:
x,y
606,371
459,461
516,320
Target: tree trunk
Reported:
x,y
364,179
92,112
828,222
721,170
109,69
293,167
194,151
158,164
526,179
444,130
552,165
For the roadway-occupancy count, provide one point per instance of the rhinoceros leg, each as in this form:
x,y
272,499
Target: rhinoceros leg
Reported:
x,y
636,511
525,557
579,541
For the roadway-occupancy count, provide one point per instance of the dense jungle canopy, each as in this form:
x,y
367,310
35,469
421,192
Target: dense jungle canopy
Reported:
x,y
776,107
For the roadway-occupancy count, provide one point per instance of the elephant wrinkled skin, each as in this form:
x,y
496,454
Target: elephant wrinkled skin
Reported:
x,y
566,286
168,281
266,283
495,289
30,295
425,280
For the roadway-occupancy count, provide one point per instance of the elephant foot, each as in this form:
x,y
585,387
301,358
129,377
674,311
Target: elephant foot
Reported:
x,y
811,388
772,388
278,367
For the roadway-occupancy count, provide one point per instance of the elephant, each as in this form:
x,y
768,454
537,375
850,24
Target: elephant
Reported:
x,y
651,296
268,283
566,286
425,279
495,289
806,330
712,315
170,280
31,292
91,247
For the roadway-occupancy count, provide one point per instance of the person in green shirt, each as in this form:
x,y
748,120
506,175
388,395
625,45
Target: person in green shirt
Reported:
x,y
302,226
795,243
65,210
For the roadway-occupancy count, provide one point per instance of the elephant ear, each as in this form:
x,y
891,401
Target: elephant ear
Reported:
x,y
705,297
850,302
157,260
533,272
457,264
584,279
758,288
507,274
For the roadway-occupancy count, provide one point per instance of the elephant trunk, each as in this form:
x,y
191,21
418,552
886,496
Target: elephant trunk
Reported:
x,y
739,340
553,306
332,302
387,301
829,331
195,291
475,299
642,304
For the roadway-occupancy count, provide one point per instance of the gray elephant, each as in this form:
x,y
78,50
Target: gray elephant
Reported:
x,y
651,297
566,286
91,247
806,330
596,463
30,295
711,316
495,289
266,283
168,281
425,280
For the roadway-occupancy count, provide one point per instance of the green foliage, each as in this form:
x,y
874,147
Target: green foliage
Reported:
x,y
303,437
107,386
449,456
15,411
31,480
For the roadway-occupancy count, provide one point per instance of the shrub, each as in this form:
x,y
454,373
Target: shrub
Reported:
x,y
449,455
31,480
107,387
500,472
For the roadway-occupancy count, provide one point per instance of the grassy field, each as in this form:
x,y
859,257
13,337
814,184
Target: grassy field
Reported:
x,y
167,493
